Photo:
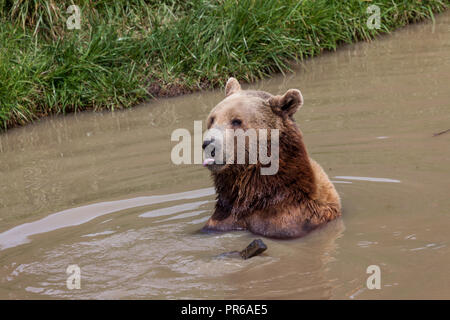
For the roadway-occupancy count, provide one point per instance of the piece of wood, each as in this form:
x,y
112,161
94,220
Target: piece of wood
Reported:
x,y
253,249
442,132
256,247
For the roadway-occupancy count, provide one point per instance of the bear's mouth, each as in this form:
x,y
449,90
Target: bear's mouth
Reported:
x,y
212,165
208,162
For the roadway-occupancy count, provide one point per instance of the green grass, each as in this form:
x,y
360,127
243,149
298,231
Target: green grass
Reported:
x,y
129,51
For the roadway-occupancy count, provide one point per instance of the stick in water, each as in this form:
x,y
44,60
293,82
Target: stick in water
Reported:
x,y
442,132
256,247
253,249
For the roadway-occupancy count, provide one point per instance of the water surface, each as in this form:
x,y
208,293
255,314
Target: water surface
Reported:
x,y
99,190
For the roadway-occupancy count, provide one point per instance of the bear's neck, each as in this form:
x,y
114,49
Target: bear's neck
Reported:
x,y
242,189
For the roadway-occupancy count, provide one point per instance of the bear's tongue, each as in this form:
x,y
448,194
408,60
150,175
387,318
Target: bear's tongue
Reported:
x,y
208,162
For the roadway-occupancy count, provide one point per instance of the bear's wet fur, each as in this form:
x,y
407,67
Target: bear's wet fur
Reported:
x,y
289,204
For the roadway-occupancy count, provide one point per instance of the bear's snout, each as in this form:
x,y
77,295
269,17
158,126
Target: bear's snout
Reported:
x,y
210,152
212,147
207,143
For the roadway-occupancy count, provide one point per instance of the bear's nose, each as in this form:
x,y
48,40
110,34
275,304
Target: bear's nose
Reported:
x,y
207,143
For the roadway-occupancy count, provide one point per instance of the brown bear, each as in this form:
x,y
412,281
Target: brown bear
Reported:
x,y
297,199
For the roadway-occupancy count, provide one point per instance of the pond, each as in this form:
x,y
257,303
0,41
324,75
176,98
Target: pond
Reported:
x,y
99,190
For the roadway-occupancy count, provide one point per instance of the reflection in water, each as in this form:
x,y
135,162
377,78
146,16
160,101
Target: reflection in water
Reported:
x,y
368,179
296,269
76,216
175,209
99,190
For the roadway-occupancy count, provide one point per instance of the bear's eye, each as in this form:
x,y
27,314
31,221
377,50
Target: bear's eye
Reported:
x,y
236,122
211,121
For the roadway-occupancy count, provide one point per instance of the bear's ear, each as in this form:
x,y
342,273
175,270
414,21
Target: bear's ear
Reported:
x,y
232,86
287,104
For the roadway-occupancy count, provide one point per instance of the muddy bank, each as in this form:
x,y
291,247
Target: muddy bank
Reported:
x,y
123,55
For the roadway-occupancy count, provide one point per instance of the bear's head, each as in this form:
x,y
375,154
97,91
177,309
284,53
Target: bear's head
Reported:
x,y
244,119
243,187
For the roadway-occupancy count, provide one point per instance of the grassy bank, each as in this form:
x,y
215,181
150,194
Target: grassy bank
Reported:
x,y
128,51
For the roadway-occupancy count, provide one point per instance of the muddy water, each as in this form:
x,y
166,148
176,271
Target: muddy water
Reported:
x,y
99,190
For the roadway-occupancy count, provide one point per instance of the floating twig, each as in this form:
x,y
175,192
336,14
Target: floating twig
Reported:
x,y
256,247
442,132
